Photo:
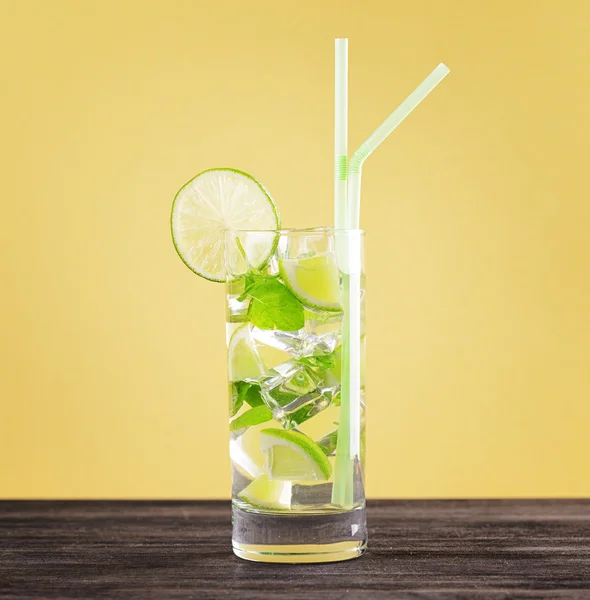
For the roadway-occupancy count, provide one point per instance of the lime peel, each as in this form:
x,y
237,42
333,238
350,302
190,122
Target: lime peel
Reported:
x,y
293,456
314,280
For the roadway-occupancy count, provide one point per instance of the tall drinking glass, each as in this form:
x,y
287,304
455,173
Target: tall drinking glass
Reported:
x,y
296,365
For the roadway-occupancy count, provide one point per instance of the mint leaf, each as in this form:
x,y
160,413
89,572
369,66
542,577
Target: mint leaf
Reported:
x,y
254,416
253,397
248,392
241,389
253,281
328,443
272,306
321,362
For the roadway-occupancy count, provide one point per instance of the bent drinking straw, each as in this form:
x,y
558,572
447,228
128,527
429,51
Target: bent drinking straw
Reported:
x,y
348,438
379,135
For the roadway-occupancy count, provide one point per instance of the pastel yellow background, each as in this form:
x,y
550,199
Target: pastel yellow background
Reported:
x,y
112,356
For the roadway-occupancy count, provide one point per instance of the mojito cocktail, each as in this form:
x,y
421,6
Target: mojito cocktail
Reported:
x,y
295,345
285,320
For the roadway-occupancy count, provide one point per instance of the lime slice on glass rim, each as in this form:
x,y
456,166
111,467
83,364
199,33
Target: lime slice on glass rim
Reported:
x,y
207,206
265,493
314,281
292,456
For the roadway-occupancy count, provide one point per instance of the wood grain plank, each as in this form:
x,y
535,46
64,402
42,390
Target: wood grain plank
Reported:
x,y
417,549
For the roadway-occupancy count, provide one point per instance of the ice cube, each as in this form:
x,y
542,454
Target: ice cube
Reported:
x,y
324,343
324,330
292,342
272,348
311,495
294,393
320,335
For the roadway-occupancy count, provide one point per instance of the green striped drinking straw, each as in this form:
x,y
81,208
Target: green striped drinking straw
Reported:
x,y
347,217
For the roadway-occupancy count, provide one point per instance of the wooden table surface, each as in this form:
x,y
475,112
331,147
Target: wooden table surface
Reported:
x,y
417,549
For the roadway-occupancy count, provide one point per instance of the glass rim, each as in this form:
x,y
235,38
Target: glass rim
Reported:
x,y
307,230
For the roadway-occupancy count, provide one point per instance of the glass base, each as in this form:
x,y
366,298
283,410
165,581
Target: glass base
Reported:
x,y
311,553
299,537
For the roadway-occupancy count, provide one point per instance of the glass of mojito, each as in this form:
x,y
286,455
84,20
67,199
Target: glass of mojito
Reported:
x,y
284,333
296,391
296,347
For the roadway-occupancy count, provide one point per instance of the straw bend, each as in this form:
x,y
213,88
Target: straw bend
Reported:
x,y
358,158
397,116
379,135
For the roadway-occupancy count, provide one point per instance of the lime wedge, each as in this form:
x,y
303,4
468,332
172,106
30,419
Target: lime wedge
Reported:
x,y
207,206
245,452
292,456
244,363
264,493
314,281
